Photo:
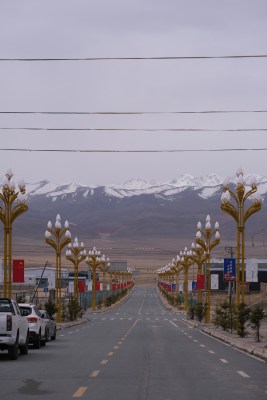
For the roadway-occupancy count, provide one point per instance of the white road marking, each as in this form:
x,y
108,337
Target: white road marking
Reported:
x,y
223,361
243,374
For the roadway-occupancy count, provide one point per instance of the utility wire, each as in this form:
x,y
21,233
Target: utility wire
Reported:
x,y
159,58
131,151
131,112
133,129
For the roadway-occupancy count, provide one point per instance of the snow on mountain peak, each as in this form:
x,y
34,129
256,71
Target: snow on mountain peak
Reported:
x,y
207,186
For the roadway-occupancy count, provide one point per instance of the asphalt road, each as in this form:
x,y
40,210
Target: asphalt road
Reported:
x,y
137,351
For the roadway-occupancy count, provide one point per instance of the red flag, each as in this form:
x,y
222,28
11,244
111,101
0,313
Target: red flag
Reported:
x,y
18,271
81,286
97,286
200,281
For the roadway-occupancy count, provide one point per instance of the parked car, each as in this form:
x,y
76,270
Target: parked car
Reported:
x,y
37,326
51,325
14,330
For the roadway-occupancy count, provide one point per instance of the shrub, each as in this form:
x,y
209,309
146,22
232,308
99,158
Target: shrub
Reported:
x,y
51,308
243,314
191,311
256,317
199,311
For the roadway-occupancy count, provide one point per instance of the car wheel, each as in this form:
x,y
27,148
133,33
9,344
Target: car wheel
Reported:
x,y
44,339
55,335
13,351
37,341
24,348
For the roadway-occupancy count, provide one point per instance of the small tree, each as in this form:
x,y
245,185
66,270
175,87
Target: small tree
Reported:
x,y
243,314
199,311
256,317
191,311
50,307
73,308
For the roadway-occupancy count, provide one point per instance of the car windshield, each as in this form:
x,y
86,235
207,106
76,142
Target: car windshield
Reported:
x,y
5,306
26,310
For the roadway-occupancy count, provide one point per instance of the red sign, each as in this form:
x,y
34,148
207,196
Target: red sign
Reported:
x,y
18,271
97,286
81,286
201,281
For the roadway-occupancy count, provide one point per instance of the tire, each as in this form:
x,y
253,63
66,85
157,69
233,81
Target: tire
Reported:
x,y
44,339
13,351
37,341
55,335
25,347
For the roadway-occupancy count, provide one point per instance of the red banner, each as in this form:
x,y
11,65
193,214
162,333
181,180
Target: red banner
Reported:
x,y
97,286
81,286
18,271
201,281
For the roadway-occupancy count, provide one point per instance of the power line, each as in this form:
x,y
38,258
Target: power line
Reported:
x,y
159,58
131,151
131,112
133,129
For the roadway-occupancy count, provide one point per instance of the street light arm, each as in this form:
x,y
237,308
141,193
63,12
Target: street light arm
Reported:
x,y
70,258
249,193
214,243
2,215
251,210
64,243
230,209
18,210
51,243
201,243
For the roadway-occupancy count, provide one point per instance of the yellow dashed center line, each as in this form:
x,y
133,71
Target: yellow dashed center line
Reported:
x,y
103,362
115,347
94,374
111,353
80,391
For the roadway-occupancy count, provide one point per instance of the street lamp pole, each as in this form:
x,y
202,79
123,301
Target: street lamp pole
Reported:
x,y
8,213
55,238
208,244
76,254
104,268
186,262
240,214
94,260
199,257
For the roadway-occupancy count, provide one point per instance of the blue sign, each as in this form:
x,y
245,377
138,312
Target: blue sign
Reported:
x,y
194,286
229,270
45,289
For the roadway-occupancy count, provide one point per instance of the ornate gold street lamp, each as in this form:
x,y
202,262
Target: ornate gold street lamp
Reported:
x,y
8,213
58,238
104,268
94,260
177,268
240,214
209,241
76,254
199,257
186,262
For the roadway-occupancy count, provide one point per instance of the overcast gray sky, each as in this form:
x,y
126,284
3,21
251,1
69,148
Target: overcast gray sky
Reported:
x,y
136,28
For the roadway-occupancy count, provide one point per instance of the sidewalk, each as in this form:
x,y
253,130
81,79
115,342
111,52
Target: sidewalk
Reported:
x,y
247,344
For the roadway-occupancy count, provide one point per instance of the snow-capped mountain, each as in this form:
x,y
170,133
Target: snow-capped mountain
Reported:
x,y
137,208
206,186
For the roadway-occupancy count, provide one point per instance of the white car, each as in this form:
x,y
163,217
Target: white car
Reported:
x,y
37,326
51,326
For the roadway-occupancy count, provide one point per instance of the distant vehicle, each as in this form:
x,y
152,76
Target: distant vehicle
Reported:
x,y
37,326
51,326
14,329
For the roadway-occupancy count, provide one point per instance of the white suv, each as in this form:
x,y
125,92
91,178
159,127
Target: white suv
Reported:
x,y
37,326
